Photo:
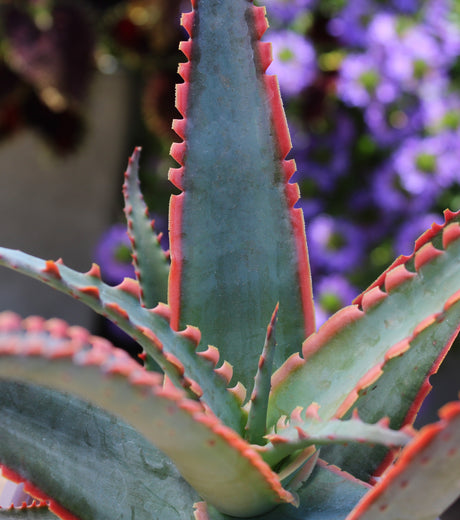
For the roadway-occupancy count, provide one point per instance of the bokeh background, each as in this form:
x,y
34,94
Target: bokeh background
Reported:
x,y
372,94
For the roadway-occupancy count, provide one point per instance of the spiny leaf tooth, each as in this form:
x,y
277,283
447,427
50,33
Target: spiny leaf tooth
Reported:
x,y
450,234
34,324
90,290
260,20
173,360
384,421
239,391
179,125
312,412
187,20
372,298
182,91
176,175
201,511
193,386
397,276
184,71
162,310
186,48
225,371
191,333
57,328
289,168
95,271
369,377
52,269
429,320
145,331
429,234
9,321
292,194
114,308
77,333
281,423
177,152
279,118
211,354
397,349
145,378
296,414
426,254
276,439
130,286
265,53
193,407
337,322
452,300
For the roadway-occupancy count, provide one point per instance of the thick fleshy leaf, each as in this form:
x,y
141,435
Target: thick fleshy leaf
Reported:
x,y
328,495
213,458
150,262
425,479
398,394
305,430
347,354
174,351
90,463
256,427
237,243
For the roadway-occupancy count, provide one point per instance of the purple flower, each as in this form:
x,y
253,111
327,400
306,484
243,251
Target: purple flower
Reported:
x,y
335,245
331,294
113,254
294,61
441,108
391,196
328,154
358,80
287,10
427,164
350,24
438,18
389,124
411,230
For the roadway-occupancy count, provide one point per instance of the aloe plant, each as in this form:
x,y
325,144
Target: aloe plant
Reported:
x,y
240,408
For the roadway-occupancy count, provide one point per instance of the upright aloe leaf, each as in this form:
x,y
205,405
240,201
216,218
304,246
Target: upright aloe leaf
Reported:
x,y
236,202
151,265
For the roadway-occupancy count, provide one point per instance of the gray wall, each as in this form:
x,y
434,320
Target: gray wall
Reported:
x,y
54,207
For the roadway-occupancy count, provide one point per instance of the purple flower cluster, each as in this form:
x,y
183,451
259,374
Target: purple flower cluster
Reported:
x,y
372,91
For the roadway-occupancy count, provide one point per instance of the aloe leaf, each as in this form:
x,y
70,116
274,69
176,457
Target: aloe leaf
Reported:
x,y
211,457
33,512
236,200
150,262
257,416
360,339
303,431
329,495
424,480
92,464
150,328
397,394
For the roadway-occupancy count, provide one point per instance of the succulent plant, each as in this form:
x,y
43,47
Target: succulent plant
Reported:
x,y
240,408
